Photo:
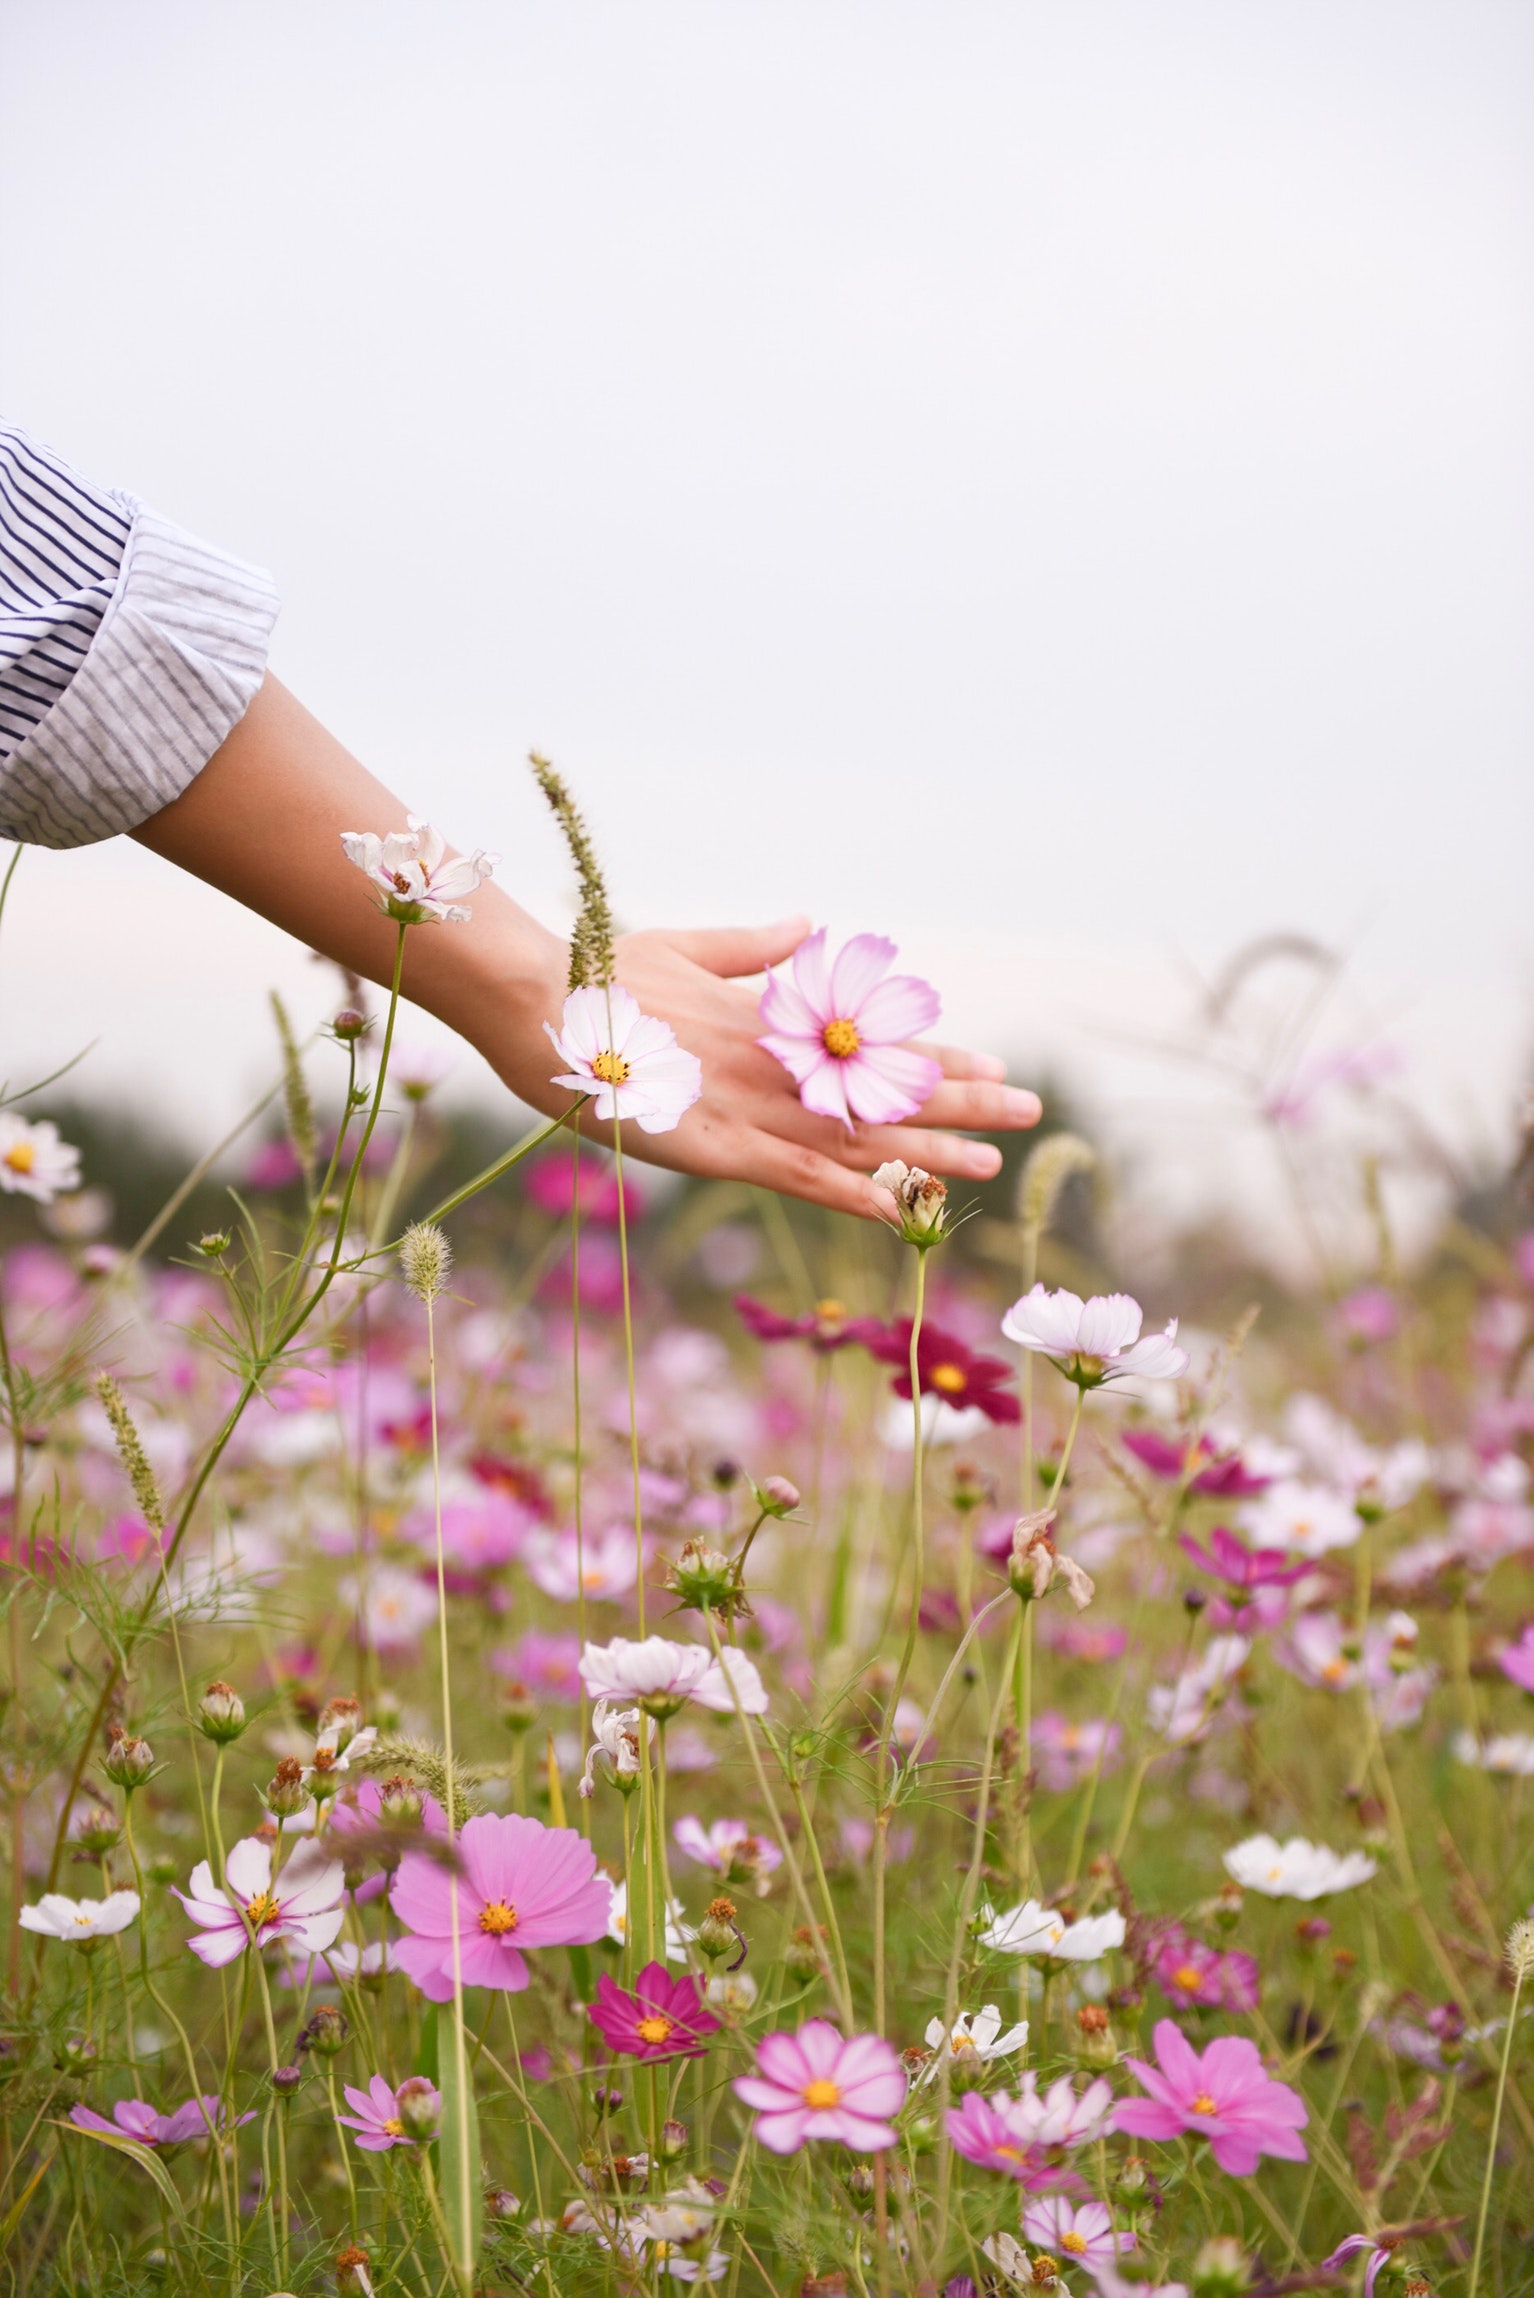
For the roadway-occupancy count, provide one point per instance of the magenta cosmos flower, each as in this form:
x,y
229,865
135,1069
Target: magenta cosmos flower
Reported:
x,y
523,1885
827,1326
946,1368
301,1904
1517,1662
663,2018
1222,2094
1214,1978
1222,1475
840,1030
819,2084
376,2116
135,2118
1229,1559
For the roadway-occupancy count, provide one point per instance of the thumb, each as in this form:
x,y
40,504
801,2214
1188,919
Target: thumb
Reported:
x,y
731,950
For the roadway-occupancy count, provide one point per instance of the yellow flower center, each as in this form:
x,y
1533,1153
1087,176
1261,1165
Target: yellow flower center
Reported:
x,y
946,1376
394,2127
1188,1978
1334,1671
821,2094
1009,2153
1274,1873
263,1908
655,2028
497,1918
1073,2241
611,1068
21,1157
1204,2104
85,1921
959,2043
841,1039
830,1312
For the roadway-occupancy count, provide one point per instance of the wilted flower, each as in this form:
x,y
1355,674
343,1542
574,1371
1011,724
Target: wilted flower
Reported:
x,y
818,2084
921,1201
1095,1342
1296,1869
731,1849
840,1030
1035,1563
630,1064
419,885
615,1733
34,1162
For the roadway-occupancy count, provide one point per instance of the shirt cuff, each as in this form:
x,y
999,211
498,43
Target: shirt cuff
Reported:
x,y
174,665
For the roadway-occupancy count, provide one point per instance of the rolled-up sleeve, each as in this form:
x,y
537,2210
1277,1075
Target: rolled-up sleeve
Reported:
x,y
128,651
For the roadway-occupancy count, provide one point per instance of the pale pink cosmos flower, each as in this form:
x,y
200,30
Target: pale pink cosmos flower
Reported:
x,y
840,1030
523,1885
419,885
1223,2094
605,1565
731,1849
1095,1342
657,1673
302,1904
376,2117
628,1062
1077,2233
820,2084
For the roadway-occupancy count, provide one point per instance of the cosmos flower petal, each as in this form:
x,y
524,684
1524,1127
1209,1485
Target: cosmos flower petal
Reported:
x,y
899,1009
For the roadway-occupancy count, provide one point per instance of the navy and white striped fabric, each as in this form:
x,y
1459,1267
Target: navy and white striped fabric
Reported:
x,y
128,650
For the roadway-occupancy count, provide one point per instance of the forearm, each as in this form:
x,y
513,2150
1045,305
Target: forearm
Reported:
x,y
263,822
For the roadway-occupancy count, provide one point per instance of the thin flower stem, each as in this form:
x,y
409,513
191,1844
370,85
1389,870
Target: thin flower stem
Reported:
x,y
628,1359
346,2160
883,1804
575,1406
1496,2130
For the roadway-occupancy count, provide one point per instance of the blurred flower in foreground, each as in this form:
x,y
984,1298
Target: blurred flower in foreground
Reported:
x,y
817,2084
1221,1475
80,1920
1067,1753
827,1326
1296,1869
1094,1342
1222,2094
840,1030
523,1885
419,886
1508,1753
34,1162
1219,1979
630,1064
1517,1661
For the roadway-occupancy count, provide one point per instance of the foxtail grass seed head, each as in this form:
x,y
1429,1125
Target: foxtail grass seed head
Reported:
x,y
425,1260
295,1091
130,1448
591,939
1520,1949
1045,1173
221,1713
921,1201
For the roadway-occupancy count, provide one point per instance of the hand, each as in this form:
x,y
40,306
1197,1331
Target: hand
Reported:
x,y
750,1124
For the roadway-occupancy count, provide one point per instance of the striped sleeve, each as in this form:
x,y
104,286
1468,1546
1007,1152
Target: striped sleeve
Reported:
x,y
128,650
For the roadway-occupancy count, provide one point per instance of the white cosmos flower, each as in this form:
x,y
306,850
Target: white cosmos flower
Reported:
x,y
1307,1519
615,1734
1296,1869
56,1917
419,886
975,2038
1510,1753
729,1681
678,1933
34,1162
630,1063
1034,1930
1094,1342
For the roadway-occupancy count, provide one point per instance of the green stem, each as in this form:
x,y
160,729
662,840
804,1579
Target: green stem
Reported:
x,y
1496,2129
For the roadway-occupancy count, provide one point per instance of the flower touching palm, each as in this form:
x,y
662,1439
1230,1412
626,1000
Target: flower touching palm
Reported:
x,y
630,1064
840,1030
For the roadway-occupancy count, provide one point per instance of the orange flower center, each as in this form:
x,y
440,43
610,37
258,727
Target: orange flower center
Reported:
x,y
1334,1671
946,1376
21,1157
497,1918
1188,1977
394,2127
655,2028
821,2094
1204,2104
1073,2241
841,1039
1009,2153
263,1908
611,1068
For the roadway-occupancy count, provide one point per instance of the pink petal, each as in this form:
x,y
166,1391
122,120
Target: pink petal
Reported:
x,y
1146,2118
1109,1322
782,1007
1235,2154
821,1091
247,1870
860,2131
486,1961
813,975
900,1008
422,1961
800,1056
884,1083
860,966
767,2098
216,1948
1179,2061
420,1896
784,2133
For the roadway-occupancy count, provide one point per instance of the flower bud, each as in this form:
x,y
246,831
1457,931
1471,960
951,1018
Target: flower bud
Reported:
x,y
777,1496
858,2178
339,1723
501,2203
352,2277
1095,2044
1031,1563
326,2032
214,1245
717,1934
703,1580
127,1762
519,1709
420,2107
286,1793
921,1200
606,2099
1311,1930
76,2055
221,1713
324,1777
1220,2270
1133,2176
162,1869
674,2138
805,1956
348,1025
399,1802
285,2080
95,1828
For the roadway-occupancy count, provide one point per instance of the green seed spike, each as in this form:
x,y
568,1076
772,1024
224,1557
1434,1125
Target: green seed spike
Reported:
x,y
591,942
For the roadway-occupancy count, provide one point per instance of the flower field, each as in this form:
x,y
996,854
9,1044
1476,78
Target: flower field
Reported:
x,y
562,1738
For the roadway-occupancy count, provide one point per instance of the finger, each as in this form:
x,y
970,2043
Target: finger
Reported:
x,y
731,950
794,1169
874,1145
958,1061
978,1107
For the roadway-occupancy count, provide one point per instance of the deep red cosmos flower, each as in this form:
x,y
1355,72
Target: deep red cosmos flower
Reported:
x,y
828,1326
947,1367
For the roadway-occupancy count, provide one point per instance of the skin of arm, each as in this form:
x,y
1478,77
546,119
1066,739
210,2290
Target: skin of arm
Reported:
x,y
263,823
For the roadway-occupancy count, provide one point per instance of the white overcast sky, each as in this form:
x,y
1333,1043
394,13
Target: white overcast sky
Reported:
x,y
1049,479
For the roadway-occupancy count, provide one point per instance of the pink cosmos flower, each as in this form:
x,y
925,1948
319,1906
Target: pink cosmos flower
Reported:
x,y
1222,2094
820,2084
629,1063
301,1904
135,2118
376,2116
1188,1972
419,886
989,2131
729,1847
523,1885
551,1185
663,2018
479,1536
1067,1753
840,1030
1517,1661
1381,2249
544,1663
604,1567
1079,2234
1223,1475
1095,1342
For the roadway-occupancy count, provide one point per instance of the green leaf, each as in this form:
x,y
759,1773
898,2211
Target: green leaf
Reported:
x,y
458,2147
136,2151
